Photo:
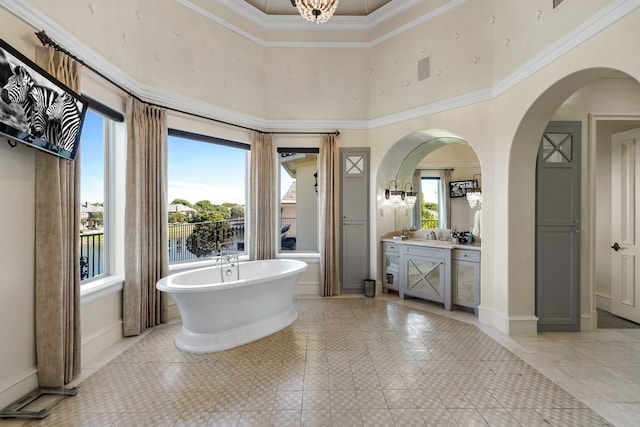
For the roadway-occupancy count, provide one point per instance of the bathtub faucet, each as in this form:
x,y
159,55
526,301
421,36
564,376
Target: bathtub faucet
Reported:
x,y
229,265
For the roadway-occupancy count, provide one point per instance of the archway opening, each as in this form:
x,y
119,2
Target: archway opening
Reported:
x,y
580,96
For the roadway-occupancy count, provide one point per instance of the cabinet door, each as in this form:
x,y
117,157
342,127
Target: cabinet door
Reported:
x,y
354,202
466,283
425,278
391,270
355,257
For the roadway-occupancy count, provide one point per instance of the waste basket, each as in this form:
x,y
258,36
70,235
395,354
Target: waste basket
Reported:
x,y
369,288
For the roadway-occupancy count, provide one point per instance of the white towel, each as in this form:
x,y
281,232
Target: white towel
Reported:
x,y
477,220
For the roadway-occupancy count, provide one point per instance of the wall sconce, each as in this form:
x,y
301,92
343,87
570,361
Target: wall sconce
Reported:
x,y
474,194
395,196
410,196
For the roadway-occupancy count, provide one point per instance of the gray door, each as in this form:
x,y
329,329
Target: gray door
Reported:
x,y
354,182
558,228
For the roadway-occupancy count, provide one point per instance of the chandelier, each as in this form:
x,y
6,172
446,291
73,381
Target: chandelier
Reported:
x,y
317,11
474,194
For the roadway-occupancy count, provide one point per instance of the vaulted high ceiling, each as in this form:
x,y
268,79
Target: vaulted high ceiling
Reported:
x,y
345,7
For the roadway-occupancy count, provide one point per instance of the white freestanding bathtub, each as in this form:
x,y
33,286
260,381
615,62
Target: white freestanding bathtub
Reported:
x,y
220,315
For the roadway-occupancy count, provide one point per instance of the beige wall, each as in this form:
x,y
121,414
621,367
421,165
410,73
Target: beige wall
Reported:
x,y
197,64
17,297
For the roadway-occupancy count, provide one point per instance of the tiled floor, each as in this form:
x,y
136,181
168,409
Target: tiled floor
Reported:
x,y
365,362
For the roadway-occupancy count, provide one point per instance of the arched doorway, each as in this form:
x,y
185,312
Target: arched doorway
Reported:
x,y
399,166
578,96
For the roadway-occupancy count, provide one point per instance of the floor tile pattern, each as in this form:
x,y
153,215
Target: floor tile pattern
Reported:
x,y
344,362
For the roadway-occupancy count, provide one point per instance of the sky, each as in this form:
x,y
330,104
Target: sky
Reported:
x,y
91,158
196,170
203,171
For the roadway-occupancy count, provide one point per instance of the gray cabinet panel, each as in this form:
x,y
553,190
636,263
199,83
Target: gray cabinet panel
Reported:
x,y
465,280
355,257
558,228
354,212
355,206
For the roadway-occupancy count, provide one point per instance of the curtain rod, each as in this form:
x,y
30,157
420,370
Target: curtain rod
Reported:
x,y
47,41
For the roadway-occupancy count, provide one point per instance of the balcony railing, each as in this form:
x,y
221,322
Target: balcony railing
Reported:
x,y
429,223
231,231
92,244
91,255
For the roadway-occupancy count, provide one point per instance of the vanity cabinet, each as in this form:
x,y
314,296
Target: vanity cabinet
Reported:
x,y
465,278
425,274
391,277
437,271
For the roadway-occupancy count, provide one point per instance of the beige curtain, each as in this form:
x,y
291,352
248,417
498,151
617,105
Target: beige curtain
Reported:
x,y
146,234
328,193
57,291
262,198
445,200
417,208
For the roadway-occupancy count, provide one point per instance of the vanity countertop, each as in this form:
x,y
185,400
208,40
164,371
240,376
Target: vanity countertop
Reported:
x,y
435,244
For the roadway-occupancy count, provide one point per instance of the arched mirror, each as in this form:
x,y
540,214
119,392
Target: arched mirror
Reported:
x,y
440,172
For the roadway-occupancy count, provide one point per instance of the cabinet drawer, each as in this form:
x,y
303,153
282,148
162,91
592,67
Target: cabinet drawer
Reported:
x,y
466,255
426,251
390,247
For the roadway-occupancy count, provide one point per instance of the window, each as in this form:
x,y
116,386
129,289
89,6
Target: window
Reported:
x,y
298,199
431,202
207,195
102,178
93,243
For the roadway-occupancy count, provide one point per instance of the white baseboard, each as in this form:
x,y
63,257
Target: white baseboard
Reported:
x,y
589,321
307,288
98,342
510,325
18,386
603,301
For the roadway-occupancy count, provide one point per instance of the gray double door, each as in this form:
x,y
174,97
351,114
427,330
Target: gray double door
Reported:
x,y
558,228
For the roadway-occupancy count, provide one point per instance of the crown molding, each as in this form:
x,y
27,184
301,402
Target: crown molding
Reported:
x,y
205,13
476,97
294,22
602,20
597,23
336,23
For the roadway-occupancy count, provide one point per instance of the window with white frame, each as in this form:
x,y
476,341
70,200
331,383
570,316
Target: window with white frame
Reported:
x,y
298,199
431,202
207,182
93,196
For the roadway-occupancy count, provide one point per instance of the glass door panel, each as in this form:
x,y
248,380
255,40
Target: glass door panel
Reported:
x,y
424,278
392,267
465,283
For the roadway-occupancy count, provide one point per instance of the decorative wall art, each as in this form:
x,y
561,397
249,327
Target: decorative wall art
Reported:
x,y
459,188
